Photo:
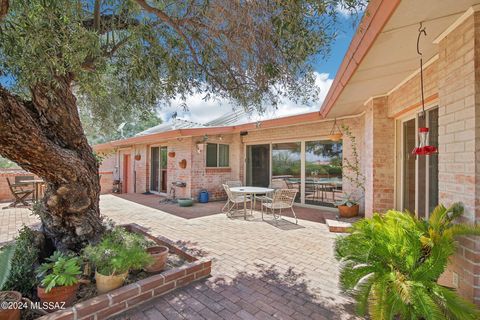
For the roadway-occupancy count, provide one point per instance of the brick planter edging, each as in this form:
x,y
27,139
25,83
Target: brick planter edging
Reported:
x,y
132,295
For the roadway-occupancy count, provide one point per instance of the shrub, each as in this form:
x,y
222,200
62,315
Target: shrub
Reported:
x,y
391,264
119,251
60,270
22,276
6,255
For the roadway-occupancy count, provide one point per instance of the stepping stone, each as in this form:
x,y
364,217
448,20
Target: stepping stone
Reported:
x,y
337,226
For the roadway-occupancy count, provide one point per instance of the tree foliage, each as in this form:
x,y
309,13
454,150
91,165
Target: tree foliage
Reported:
x,y
127,55
391,264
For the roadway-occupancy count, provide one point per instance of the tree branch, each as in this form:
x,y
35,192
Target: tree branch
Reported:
x,y
4,4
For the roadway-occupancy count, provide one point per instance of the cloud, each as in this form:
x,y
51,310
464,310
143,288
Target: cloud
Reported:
x,y
202,111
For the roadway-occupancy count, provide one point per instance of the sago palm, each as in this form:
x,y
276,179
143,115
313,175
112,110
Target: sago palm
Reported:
x,y
391,264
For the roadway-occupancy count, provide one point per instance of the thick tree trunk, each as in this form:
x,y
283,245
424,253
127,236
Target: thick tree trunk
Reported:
x,y
45,137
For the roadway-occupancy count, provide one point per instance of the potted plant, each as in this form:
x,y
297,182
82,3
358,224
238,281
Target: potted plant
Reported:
x,y
8,297
159,256
391,264
60,277
350,205
117,253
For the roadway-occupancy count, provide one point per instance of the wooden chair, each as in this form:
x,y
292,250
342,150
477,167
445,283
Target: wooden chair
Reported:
x,y
233,200
19,192
282,199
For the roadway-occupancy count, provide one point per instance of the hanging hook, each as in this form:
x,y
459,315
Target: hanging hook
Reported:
x,y
421,29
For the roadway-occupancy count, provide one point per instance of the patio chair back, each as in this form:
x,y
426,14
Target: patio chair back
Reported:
x,y
233,183
19,193
23,178
284,198
228,191
278,184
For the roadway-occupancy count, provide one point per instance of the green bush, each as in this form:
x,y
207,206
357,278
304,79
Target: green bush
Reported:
x,y
22,275
59,270
391,264
119,251
6,255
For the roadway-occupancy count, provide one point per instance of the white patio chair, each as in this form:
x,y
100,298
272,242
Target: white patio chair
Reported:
x,y
233,183
275,184
233,200
282,199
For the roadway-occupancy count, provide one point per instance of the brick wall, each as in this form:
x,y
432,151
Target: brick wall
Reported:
x,y
459,141
5,194
379,157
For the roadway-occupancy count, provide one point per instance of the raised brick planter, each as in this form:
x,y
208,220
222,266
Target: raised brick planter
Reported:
x,y
126,297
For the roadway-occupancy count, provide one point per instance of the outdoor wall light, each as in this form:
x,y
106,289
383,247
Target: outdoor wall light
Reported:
x,y
200,146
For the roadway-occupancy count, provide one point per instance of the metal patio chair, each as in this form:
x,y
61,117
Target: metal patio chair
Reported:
x,y
20,193
233,200
282,199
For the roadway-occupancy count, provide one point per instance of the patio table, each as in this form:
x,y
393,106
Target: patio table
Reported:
x,y
249,191
36,186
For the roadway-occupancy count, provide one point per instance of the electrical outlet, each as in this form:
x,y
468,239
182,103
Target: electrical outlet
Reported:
x,y
455,279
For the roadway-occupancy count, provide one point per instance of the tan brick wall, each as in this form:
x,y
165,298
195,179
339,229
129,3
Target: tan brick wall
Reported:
x,y
379,157
459,139
409,93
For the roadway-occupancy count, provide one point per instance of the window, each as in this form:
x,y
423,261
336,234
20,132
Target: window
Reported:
x,y
218,155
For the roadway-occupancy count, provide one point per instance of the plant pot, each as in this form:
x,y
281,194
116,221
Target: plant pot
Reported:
x,y
58,295
10,296
159,254
348,212
171,154
185,202
108,283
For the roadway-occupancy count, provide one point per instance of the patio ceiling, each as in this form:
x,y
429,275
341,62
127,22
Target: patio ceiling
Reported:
x,y
392,57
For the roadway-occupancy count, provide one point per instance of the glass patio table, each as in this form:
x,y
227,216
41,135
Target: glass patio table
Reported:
x,y
249,191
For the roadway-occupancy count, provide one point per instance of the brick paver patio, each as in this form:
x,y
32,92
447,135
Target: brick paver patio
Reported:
x,y
260,270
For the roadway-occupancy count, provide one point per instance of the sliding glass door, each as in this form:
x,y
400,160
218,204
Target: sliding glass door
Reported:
x,y
313,168
158,169
419,174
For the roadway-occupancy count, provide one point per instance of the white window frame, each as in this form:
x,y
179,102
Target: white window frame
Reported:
x,y
399,161
218,154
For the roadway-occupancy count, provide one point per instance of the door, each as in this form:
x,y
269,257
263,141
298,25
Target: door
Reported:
x,y
158,170
419,192
126,172
258,165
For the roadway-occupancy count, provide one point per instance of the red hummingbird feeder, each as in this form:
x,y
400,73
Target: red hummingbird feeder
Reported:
x,y
423,148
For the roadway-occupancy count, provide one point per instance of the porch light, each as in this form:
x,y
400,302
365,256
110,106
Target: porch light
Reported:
x,y
334,135
423,148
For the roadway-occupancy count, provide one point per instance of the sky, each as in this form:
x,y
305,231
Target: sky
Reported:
x,y
201,111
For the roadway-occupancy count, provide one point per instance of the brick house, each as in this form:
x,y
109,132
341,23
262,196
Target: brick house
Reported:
x,y
376,93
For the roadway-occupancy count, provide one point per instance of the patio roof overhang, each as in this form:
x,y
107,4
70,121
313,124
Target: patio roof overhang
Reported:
x,y
383,52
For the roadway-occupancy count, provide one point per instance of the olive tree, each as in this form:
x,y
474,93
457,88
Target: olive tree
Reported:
x,y
120,56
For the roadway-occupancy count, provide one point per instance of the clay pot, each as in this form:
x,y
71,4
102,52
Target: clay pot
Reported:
x,y
10,296
109,283
183,164
171,154
138,157
159,254
63,294
348,212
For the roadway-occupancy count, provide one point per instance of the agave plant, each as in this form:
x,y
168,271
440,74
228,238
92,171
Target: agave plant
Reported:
x,y
6,255
391,264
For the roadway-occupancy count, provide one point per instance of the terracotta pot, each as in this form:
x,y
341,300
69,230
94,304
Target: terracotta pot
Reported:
x,y
108,283
348,212
159,254
183,164
10,296
171,154
138,157
66,294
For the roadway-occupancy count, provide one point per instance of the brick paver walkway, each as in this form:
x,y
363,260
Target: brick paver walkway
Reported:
x,y
12,220
260,270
